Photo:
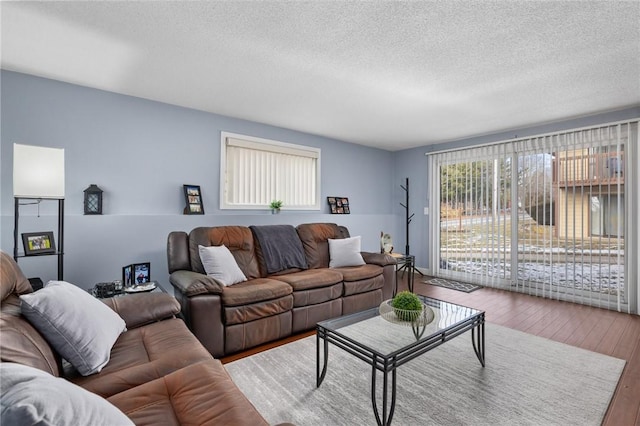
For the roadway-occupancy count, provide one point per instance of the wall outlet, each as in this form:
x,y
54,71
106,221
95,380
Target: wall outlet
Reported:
x,y
426,210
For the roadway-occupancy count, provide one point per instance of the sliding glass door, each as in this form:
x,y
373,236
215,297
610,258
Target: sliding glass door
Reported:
x,y
543,215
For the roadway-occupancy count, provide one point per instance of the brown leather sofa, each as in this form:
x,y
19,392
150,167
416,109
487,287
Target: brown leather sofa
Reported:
x,y
158,373
266,307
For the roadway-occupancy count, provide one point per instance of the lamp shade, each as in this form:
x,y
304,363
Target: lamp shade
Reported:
x,y
38,172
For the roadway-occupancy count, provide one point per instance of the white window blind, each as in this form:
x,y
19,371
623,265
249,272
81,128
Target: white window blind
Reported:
x,y
256,171
545,215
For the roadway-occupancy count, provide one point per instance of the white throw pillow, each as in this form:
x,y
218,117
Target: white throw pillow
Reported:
x,y
33,397
220,264
345,252
80,327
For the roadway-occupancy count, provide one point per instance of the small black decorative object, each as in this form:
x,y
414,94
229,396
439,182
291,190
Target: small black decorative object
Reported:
x,y
93,200
104,290
339,205
36,283
193,198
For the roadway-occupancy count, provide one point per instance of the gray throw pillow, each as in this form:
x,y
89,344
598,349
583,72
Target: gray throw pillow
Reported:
x,y
345,252
219,263
34,397
78,326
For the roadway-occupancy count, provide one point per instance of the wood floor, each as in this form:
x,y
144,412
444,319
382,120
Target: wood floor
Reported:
x,y
599,330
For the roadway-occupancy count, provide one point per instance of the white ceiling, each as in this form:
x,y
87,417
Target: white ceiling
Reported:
x,y
392,75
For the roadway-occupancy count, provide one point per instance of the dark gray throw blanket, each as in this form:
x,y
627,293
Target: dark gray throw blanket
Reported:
x,y
281,247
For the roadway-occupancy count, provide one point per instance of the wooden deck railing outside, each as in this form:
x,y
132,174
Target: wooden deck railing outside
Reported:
x,y
589,169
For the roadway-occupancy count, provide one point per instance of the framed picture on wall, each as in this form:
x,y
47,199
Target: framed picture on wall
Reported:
x,y
339,205
193,199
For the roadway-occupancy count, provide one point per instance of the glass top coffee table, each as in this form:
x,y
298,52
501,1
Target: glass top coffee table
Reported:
x,y
386,343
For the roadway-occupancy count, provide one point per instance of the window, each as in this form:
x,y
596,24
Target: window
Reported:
x,y
607,215
255,171
545,215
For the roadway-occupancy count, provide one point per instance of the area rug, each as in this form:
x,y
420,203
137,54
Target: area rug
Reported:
x,y
454,285
527,380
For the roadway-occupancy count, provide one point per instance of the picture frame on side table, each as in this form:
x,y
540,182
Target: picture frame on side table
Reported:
x,y
339,205
36,243
193,199
127,276
141,273
136,274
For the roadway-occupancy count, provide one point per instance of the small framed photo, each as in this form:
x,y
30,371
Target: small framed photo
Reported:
x,y
141,273
127,276
193,199
339,205
38,243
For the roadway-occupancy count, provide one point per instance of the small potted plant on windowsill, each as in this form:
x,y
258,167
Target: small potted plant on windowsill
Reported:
x,y
275,205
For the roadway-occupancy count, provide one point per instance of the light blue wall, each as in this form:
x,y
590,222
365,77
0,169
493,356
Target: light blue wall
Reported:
x,y
412,163
141,153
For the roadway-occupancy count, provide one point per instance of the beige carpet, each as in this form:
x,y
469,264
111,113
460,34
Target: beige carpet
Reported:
x,y
528,380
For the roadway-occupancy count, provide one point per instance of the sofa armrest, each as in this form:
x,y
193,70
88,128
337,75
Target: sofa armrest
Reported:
x,y
139,309
380,259
200,393
193,283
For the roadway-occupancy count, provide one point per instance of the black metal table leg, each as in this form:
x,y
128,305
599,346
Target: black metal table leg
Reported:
x,y
320,375
477,339
386,417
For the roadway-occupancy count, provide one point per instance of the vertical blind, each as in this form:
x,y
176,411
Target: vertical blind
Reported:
x,y
258,172
545,215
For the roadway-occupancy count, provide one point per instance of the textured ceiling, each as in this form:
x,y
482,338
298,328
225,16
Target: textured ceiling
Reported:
x,y
392,75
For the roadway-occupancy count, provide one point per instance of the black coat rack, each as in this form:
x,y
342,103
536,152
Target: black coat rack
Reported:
x,y
408,218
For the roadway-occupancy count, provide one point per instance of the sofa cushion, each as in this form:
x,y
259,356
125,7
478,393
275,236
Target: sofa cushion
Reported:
x,y
314,238
219,263
363,286
31,396
314,296
362,272
311,278
144,354
314,286
238,337
80,327
238,239
345,252
200,394
254,291
250,312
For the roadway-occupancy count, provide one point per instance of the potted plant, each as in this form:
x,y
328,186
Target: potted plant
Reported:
x,y
275,205
407,306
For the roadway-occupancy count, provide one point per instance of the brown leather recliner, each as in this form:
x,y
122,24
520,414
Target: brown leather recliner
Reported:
x,y
158,372
267,307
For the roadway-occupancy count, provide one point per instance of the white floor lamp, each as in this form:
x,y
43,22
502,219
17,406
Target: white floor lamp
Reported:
x,y
38,174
